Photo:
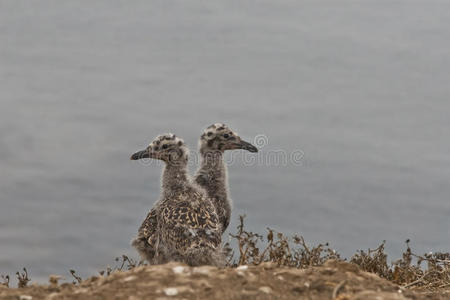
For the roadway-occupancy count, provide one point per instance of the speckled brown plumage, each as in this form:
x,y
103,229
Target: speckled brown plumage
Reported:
x,y
212,174
146,241
188,223
183,225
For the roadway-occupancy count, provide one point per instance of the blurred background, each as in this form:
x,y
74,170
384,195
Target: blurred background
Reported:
x,y
359,87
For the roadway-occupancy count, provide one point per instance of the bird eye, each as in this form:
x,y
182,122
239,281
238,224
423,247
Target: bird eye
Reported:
x,y
226,135
165,146
156,148
209,133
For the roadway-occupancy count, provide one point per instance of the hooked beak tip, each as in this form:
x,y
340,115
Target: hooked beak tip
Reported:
x,y
249,147
253,149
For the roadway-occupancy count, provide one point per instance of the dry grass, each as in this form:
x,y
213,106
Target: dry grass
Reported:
x,y
22,278
124,263
430,272
5,279
279,249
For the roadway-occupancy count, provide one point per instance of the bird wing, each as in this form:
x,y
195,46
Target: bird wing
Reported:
x,y
190,221
149,226
148,232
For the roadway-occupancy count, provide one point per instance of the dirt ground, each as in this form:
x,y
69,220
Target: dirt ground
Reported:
x,y
333,280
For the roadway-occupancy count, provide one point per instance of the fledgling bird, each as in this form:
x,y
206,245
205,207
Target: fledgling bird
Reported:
x,y
212,173
183,225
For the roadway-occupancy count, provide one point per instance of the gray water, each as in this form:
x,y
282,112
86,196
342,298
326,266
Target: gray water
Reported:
x,y
359,87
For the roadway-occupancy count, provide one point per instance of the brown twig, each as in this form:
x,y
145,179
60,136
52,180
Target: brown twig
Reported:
x,y
77,278
22,278
5,279
337,288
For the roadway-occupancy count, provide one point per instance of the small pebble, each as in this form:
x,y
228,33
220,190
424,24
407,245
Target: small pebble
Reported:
x,y
242,268
265,289
130,278
178,269
25,297
171,291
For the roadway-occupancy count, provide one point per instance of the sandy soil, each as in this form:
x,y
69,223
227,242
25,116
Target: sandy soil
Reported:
x,y
333,280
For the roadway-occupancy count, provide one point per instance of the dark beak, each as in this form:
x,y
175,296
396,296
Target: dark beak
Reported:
x,y
140,154
247,146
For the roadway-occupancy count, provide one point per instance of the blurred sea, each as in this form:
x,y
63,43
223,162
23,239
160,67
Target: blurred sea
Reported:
x,y
361,88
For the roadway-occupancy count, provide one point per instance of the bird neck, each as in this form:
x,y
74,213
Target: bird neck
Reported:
x,y
214,170
174,178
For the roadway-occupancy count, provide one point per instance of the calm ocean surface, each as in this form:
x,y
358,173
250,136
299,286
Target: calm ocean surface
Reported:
x,y
361,88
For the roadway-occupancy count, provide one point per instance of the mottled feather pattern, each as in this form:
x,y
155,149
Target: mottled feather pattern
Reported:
x,y
177,224
147,241
148,227
212,173
212,177
183,225
188,221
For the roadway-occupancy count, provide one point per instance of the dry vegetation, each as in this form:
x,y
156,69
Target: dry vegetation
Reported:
x,y
428,272
322,273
